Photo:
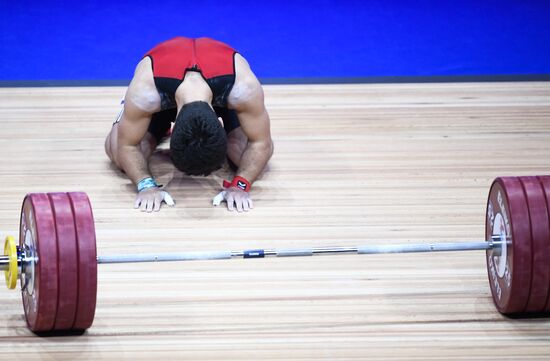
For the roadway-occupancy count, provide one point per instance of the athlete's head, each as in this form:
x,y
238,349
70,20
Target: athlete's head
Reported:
x,y
198,145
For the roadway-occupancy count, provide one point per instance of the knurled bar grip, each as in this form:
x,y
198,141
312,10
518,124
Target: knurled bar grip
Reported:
x,y
163,257
430,247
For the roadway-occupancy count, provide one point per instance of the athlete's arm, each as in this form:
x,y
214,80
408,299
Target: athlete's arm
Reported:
x,y
254,122
247,99
140,102
131,130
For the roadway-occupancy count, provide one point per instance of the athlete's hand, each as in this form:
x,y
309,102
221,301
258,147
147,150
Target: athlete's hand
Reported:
x,y
150,199
235,198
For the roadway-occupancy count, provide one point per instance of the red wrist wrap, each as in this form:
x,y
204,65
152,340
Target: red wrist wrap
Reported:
x,y
238,182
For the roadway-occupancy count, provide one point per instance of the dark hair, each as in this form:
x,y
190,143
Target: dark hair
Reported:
x,y
198,145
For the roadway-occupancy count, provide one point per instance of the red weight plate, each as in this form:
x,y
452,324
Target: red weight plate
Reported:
x,y
540,235
509,271
67,260
87,260
545,182
39,284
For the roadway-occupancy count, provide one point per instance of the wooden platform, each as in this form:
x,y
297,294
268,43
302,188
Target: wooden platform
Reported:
x,y
353,164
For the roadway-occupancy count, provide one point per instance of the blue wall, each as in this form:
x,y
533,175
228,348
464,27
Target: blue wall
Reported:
x,y
73,40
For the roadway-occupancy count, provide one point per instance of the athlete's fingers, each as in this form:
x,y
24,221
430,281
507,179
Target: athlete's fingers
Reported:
x,y
150,204
239,203
218,199
246,208
230,200
143,205
157,202
168,199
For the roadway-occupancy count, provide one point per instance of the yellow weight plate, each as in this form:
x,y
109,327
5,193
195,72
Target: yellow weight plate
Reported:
x,y
10,250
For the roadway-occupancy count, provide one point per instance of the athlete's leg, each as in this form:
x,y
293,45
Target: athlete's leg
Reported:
x,y
236,144
158,130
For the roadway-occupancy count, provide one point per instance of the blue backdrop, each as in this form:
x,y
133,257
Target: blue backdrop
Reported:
x,y
73,40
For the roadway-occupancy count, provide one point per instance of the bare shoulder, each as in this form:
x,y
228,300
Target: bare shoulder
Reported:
x,y
142,92
247,90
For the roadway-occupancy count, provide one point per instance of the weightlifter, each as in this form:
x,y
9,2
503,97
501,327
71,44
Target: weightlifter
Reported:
x,y
216,103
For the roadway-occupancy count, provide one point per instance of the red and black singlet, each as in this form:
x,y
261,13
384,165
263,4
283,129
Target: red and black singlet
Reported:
x,y
213,59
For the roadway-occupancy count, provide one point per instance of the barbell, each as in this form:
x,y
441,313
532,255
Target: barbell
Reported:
x,y
56,260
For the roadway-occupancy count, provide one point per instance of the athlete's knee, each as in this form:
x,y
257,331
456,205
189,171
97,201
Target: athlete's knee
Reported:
x,y
237,139
236,147
110,150
108,146
148,145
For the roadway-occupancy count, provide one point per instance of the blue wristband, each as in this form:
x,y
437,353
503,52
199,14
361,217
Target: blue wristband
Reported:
x,y
146,183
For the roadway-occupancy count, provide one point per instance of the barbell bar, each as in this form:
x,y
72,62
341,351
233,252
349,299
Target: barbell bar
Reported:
x,y
495,242
56,260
